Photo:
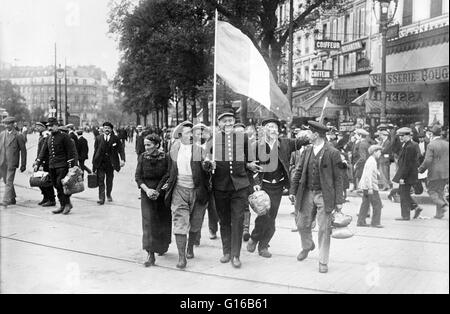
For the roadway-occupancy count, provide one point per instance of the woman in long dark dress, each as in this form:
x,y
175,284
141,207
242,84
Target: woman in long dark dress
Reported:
x,y
151,176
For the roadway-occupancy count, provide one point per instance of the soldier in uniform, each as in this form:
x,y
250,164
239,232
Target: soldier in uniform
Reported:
x,y
12,146
60,151
48,193
230,185
273,154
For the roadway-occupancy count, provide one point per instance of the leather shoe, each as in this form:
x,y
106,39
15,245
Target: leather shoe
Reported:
x,y
49,204
323,268
265,253
304,253
377,226
109,198
42,202
236,262
362,225
225,258
402,219
150,260
59,210
67,209
101,202
439,216
417,212
246,236
251,245
190,252
212,235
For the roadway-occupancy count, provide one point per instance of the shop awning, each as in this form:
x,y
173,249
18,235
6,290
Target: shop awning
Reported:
x,y
317,99
359,101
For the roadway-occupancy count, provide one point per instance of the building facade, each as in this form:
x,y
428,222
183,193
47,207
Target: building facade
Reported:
x,y
87,91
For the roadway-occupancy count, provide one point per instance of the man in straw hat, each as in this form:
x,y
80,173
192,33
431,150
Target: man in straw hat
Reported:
x,y
12,147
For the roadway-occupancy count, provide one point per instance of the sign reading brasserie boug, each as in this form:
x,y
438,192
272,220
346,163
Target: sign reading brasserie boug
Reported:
x,y
438,74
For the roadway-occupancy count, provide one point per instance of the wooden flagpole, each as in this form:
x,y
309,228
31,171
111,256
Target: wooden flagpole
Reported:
x,y
214,117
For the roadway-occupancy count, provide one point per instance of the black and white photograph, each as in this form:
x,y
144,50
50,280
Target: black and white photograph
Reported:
x,y
221,152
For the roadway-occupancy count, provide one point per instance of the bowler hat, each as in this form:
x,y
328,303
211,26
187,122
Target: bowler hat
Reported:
x,y
436,129
317,127
52,121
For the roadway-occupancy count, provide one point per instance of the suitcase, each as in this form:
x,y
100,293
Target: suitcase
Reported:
x,y
92,181
41,179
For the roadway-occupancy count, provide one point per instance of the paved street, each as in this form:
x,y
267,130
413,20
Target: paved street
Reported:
x,y
97,249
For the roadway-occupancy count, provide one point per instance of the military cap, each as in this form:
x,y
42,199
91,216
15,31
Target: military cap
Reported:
x,y
317,127
52,121
436,129
40,124
9,120
225,114
271,120
374,148
362,132
404,131
108,124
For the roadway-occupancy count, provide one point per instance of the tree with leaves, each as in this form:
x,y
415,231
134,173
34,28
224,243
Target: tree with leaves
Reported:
x,y
12,101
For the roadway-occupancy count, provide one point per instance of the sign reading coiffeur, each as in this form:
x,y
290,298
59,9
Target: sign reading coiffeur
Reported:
x,y
322,74
328,44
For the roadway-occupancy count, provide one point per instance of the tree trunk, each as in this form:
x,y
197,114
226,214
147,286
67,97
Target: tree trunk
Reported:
x,y
185,117
194,111
145,118
244,110
166,115
138,118
204,103
157,118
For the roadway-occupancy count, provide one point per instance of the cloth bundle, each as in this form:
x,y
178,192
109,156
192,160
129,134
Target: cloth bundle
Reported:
x,y
259,202
340,225
73,181
41,179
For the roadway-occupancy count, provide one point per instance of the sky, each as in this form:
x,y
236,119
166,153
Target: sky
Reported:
x,y
29,30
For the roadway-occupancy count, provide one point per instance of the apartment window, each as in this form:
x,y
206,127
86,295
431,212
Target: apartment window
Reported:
x,y
347,34
334,29
84,82
436,8
407,12
324,31
306,43
346,64
306,73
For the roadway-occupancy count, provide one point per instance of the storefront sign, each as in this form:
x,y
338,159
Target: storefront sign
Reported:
x,y
407,97
357,45
328,44
432,75
322,74
436,112
363,64
392,31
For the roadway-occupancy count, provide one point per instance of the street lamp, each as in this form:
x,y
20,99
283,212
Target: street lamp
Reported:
x,y
384,21
59,75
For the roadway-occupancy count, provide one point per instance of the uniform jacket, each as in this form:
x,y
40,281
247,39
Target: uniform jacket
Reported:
x,y
42,138
232,155
331,168
436,160
60,151
112,149
152,170
15,149
281,153
199,176
82,148
408,163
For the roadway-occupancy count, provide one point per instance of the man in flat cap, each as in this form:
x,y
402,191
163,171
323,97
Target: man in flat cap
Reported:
x,y
436,162
59,150
12,147
272,154
407,173
360,154
317,190
230,184
109,155
48,193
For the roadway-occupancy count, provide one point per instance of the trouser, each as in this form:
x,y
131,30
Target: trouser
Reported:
x,y
436,192
230,207
83,166
385,175
103,172
187,211
57,174
312,204
48,193
213,219
8,175
407,202
367,200
265,224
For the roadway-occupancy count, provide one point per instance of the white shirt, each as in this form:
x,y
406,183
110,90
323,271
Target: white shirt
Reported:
x,y
184,160
107,138
317,148
422,147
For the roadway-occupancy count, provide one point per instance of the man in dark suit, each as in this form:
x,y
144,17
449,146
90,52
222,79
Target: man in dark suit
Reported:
x,y
83,151
317,190
73,135
272,154
436,162
61,154
418,129
109,155
407,173
48,193
139,145
12,147
230,184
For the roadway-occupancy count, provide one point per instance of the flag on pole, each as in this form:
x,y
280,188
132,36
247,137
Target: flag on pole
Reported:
x,y
242,67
